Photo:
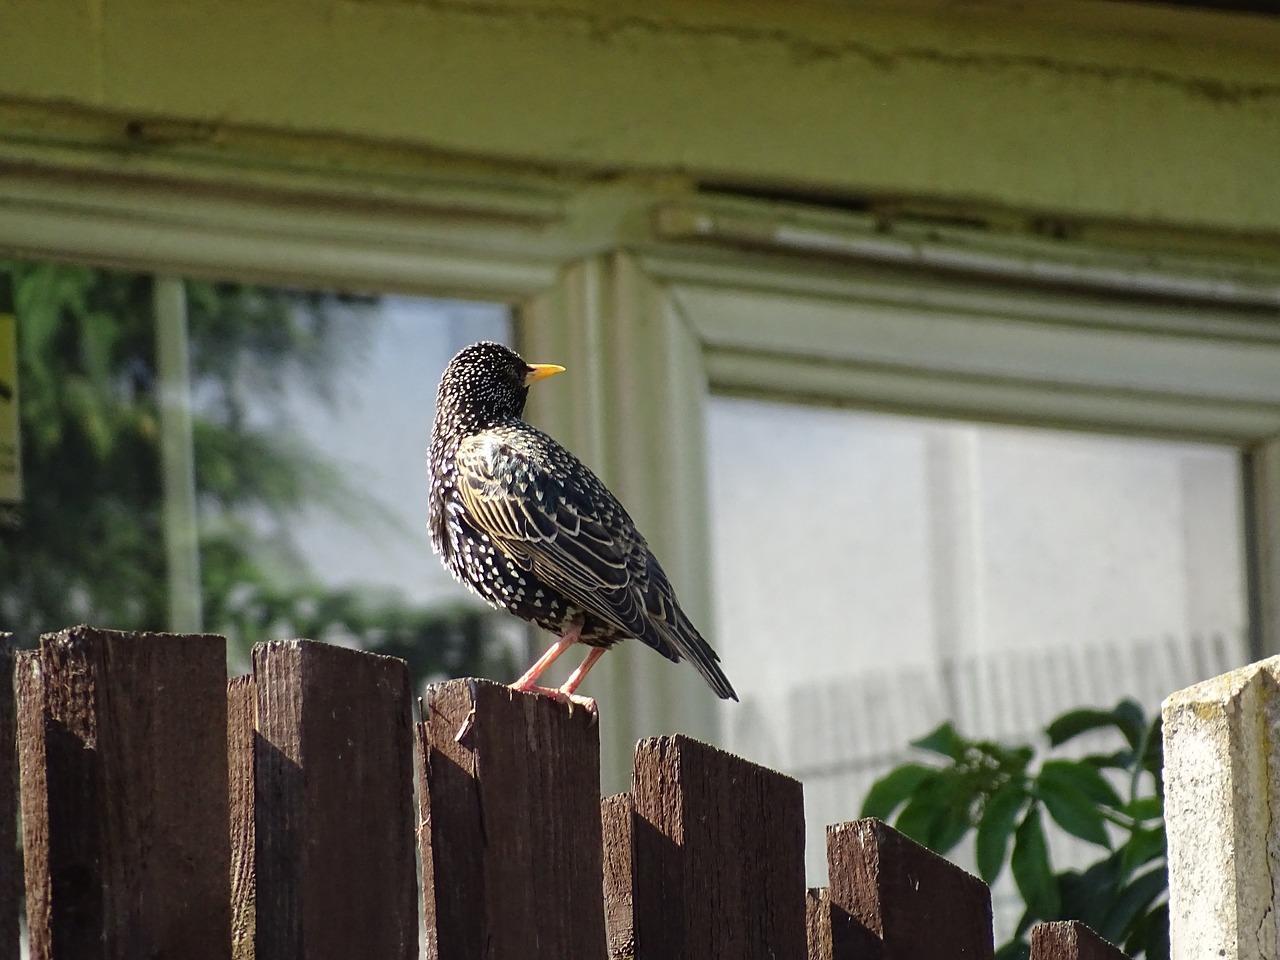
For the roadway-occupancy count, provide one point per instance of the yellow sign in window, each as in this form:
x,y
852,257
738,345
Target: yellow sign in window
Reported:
x,y
10,472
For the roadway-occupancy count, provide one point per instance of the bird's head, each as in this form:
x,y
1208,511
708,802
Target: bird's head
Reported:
x,y
487,382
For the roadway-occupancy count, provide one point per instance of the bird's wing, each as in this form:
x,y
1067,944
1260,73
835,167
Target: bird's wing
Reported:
x,y
578,540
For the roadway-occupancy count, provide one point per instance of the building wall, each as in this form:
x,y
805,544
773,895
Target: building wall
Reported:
x,y
1078,109
515,150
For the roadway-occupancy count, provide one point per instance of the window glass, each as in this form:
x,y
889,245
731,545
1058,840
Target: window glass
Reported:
x,y
304,419
333,400
86,549
878,574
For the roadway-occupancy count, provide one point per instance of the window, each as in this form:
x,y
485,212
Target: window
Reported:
x,y
876,575
658,318
245,459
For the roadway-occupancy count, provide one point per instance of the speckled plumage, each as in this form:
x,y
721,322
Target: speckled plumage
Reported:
x,y
523,523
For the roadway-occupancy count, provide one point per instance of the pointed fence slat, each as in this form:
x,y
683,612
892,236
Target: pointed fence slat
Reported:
x,y
120,736
510,825
892,897
718,853
818,922
242,709
169,812
334,857
617,816
1070,940
10,856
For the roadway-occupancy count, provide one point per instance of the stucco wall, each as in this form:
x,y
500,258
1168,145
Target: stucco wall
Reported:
x,y
1126,112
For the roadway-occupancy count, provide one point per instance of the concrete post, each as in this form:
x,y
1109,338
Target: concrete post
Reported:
x,y
1222,781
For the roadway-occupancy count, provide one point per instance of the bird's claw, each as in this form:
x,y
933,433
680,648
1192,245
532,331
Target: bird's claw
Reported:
x,y
571,700
587,703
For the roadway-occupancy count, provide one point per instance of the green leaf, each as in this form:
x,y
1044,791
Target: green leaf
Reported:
x,y
1087,896
1126,716
999,816
1119,760
1071,808
895,788
1133,902
1085,777
1014,950
937,815
917,817
1132,722
948,828
1031,870
944,741
1144,845
1144,808
1150,935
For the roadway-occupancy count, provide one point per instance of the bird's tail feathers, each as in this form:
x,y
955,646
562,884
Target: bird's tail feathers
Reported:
x,y
680,639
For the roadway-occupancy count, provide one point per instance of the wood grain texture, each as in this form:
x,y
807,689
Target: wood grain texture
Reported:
x,y
894,899
124,794
242,710
818,923
617,819
719,855
334,804
1070,940
510,826
10,855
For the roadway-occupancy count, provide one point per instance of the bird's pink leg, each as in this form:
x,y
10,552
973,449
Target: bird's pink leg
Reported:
x,y
526,682
575,678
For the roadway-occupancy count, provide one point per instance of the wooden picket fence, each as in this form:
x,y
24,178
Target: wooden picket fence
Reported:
x,y
168,813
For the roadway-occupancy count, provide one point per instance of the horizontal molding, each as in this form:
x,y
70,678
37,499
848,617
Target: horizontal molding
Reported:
x,y
945,248
167,229
966,344
903,390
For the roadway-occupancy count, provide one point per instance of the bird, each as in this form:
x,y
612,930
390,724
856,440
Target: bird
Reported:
x,y
524,524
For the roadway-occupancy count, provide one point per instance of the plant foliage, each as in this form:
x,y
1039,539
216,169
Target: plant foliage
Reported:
x,y
1008,798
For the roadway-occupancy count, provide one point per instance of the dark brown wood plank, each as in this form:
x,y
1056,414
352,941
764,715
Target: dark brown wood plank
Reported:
x,y
242,709
511,829
719,855
33,780
818,923
892,898
617,816
124,794
1070,940
10,855
335,862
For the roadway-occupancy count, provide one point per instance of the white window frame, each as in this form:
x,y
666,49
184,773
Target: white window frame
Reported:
x,y
650,321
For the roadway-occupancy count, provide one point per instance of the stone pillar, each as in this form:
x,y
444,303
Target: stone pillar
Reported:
x,y
1222,782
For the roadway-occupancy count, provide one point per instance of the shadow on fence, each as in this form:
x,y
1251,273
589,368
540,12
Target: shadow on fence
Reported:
x,y
137,843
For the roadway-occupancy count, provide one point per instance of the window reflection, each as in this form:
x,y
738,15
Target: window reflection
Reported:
x,y
309,414
878,574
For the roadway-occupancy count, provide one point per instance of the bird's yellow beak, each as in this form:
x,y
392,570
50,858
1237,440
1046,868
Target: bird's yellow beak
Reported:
x,y
540,371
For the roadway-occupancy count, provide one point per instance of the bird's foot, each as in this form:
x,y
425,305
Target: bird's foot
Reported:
x,y
572,700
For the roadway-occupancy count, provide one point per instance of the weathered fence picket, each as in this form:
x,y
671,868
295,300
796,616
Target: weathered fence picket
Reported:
x,y
718,855
242,712
334,847
1070,940
10,857
168,812
123,746
817,904
891,897
617,821
509,787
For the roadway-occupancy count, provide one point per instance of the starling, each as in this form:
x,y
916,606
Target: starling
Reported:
x,y
521,522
